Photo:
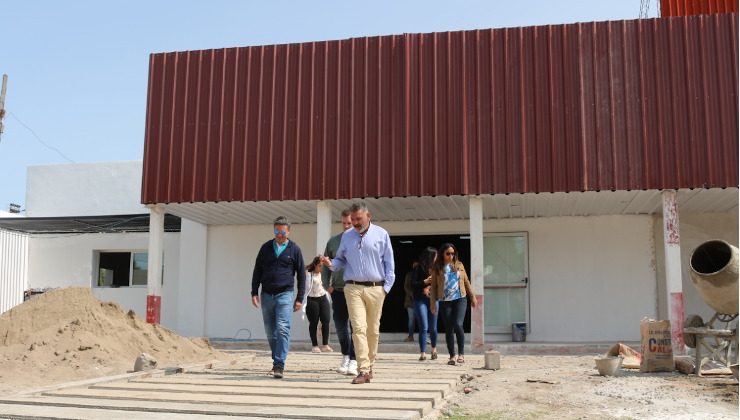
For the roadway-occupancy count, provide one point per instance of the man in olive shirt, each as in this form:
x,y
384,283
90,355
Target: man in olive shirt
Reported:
x,y
334,284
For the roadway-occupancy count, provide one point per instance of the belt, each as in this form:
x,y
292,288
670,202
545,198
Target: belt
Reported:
x,y
365,283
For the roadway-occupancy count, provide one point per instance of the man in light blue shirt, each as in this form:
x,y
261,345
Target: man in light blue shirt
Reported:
x,y
366,255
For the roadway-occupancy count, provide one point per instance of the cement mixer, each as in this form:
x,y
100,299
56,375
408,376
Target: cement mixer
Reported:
x,y
714,272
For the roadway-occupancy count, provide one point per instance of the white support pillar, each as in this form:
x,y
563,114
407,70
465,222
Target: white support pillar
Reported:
x,y
477,324
674,285
154,269
323,226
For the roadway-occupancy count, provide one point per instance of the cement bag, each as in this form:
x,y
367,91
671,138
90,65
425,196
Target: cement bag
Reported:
x,y
656,346
631,357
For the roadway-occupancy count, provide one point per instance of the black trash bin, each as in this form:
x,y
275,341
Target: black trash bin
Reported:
x,y
519,332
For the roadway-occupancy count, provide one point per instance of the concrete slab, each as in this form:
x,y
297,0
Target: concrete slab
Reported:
x,y
291,376
244,358
402,388
422,407
378,375
355,393
47,412
442,389
390,346
138,409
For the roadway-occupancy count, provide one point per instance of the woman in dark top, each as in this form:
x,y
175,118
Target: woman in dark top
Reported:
x,y
425,313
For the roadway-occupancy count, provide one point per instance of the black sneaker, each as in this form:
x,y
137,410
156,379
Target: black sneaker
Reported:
x,y
277,372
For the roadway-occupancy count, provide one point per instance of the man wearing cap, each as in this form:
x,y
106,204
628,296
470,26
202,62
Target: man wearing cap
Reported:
x,y
279,262
366,255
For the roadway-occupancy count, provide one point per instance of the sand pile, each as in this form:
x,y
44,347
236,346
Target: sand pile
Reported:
x,y
67,334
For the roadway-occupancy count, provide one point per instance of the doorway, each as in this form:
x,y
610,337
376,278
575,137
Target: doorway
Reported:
x,y
405,250
506,281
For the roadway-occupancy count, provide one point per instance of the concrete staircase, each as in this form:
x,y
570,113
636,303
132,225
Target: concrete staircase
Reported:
x,y
402,388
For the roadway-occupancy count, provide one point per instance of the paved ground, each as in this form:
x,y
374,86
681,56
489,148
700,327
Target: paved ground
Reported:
x,y
402,388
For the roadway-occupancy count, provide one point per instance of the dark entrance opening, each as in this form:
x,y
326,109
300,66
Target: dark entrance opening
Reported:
x,y
405,250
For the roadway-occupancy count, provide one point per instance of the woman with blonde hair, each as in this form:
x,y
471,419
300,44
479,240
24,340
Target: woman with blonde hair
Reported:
x,y
451,286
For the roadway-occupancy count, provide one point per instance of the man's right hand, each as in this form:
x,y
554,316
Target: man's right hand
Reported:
x,y
325,260
256,301
329,290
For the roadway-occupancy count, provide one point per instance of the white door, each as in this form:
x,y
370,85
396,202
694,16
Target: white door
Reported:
x,y
506,281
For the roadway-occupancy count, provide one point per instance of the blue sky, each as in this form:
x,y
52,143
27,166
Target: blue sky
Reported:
x,y
78,69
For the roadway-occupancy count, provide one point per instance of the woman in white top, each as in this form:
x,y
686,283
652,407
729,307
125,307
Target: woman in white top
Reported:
x,y
318,307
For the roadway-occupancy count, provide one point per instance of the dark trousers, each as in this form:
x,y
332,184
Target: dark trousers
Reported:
x,y
427,322
317,308
341,323
453,316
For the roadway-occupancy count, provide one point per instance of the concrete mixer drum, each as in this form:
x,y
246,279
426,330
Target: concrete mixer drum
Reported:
x,y
714,273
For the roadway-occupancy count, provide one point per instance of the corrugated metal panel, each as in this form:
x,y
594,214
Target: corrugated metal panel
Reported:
x,y
670,8
13,268
627,105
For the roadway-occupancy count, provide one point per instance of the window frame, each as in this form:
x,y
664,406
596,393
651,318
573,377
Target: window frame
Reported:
x,y
131,252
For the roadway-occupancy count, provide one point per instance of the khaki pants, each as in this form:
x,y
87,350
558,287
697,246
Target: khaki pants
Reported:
x,y
365,305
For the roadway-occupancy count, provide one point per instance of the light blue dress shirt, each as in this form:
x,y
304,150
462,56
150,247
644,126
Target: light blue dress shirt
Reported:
x,y
366,258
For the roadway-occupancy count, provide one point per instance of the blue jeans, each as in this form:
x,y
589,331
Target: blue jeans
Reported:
x,y
411,311
277,314
427,323
453,315
341,323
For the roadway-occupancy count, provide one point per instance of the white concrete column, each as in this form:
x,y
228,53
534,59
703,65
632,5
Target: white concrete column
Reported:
x,y
154,270
323,226
674,286
477,324
191,290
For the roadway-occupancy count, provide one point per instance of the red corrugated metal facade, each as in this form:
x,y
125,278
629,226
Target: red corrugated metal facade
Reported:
x,y
643,104
670,8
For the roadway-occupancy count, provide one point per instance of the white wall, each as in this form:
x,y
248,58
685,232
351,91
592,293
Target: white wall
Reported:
x,y
67,260
231,254
695,229
591,278
13,268
84,189
191,301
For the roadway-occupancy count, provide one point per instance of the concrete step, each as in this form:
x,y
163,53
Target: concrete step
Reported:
x,y
422,407
275,390
319,378
402,388
412,348
116,409
326,387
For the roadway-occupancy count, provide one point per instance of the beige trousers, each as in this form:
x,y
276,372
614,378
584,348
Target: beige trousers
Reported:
x,y
365,306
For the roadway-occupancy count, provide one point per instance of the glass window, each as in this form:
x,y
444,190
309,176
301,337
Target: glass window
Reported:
x,y
122,269
141,264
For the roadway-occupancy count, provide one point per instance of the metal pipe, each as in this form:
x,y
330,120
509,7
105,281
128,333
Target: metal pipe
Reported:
x,y
714,272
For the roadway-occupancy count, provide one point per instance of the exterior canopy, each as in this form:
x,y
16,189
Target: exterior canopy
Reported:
x,y
622,105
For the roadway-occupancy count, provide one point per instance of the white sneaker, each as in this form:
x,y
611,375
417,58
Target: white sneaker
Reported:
x,y
352,368
344,365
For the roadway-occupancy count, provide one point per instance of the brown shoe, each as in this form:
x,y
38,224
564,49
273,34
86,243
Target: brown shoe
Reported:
x,y
361,378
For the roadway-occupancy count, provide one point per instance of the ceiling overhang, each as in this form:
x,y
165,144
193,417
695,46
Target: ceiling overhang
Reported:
x,y
500,206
